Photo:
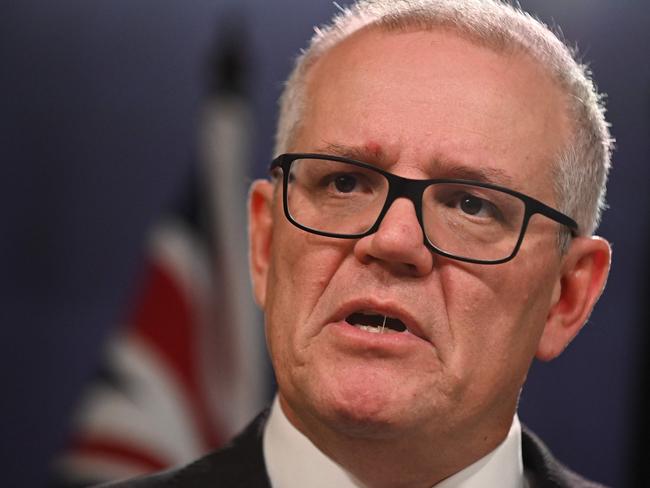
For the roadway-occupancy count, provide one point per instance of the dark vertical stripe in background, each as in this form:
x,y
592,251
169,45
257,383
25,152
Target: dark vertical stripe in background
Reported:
x,y
640,429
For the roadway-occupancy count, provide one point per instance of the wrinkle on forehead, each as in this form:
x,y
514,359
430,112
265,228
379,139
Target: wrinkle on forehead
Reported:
x,y
437,167
491,119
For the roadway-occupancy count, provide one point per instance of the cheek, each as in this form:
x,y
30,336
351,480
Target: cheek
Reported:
x,y
496,314
298,278
299,275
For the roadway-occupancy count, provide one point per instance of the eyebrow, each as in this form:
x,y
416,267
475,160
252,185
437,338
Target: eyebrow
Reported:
x,y
444,168
484,174
358,153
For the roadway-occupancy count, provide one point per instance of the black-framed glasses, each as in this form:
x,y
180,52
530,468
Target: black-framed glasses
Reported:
x,y
467,220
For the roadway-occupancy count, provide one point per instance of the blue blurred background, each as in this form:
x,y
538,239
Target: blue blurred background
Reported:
x,y
99,106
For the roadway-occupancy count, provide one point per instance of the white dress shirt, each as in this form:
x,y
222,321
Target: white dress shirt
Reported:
x,y
292,461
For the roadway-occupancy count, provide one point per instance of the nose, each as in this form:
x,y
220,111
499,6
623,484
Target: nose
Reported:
x,y
398,243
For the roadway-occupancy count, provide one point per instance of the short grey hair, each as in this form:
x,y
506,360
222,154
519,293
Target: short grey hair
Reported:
x,y
581,169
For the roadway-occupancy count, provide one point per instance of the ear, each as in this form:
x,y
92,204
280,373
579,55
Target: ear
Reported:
x,y
583,275
260,230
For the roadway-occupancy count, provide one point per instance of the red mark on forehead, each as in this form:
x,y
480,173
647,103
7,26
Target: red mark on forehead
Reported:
x,y
374,148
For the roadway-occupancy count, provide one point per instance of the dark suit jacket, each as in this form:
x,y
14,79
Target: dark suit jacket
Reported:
x,y
240,464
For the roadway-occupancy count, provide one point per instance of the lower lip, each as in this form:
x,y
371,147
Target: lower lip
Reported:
x,y
353,336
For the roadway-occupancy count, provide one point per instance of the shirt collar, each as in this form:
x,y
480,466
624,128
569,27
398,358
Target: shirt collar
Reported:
x,y
284,445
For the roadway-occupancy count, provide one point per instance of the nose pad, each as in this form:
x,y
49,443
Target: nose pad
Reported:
x,y
398,242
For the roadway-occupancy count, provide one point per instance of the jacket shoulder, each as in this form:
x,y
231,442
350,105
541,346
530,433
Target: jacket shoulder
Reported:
x,y
545,470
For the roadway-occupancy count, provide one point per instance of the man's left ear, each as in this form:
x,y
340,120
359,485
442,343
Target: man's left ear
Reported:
x,y
583,276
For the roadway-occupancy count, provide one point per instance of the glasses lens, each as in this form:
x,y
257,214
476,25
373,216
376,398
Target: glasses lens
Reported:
x,y
471,221
335,197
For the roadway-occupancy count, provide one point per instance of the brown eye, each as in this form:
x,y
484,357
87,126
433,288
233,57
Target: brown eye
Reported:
x,y
471,205
345,183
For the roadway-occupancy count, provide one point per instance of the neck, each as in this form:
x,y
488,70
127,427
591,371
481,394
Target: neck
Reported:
x,y
420,457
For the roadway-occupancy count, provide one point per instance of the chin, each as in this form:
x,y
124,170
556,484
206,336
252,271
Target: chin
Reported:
x,y
360,422
364,407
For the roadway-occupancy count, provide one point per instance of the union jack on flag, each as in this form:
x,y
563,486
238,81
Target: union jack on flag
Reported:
x,y
187,370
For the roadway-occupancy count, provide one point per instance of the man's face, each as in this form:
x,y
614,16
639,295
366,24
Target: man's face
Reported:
x,y
421,105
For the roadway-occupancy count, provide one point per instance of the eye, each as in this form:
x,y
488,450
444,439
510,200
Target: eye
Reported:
x,y
345,183
471,205
475,206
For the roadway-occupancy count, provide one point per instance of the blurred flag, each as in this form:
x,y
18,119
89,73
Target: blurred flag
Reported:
x,y
187,370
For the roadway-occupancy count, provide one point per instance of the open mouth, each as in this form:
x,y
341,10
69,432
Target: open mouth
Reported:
x,y
376,323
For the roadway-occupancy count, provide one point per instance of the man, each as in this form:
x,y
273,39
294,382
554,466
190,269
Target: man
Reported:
x,y
427,232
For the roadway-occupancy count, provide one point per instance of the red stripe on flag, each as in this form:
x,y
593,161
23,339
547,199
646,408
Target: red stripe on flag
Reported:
x,y
118,451
166,320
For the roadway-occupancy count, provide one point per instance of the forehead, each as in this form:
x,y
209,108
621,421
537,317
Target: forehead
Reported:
x,y
433,99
